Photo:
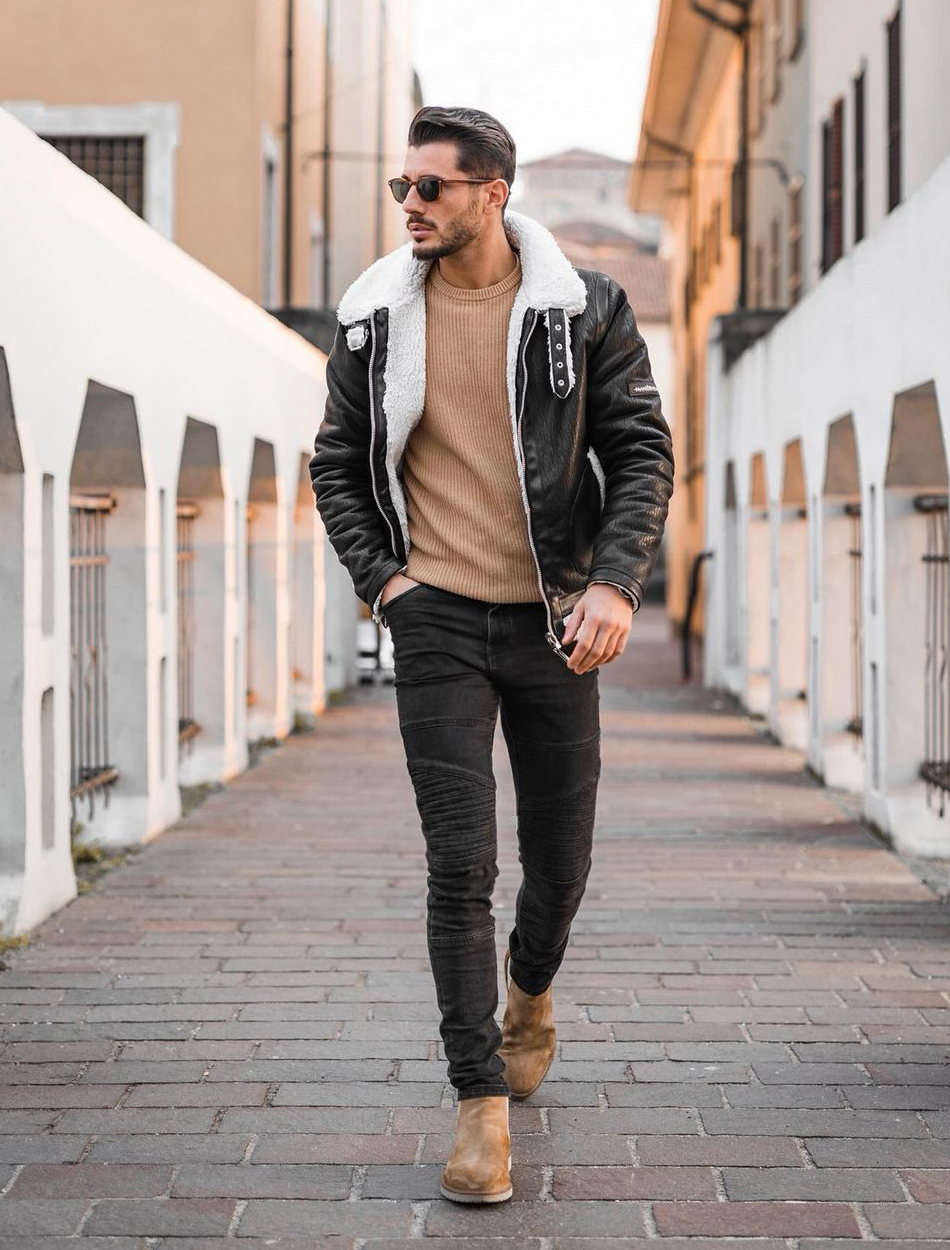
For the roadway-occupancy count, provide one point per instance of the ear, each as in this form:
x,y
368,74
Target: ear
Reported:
x,y
497,195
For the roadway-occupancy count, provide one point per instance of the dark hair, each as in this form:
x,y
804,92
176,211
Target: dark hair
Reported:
x,y
485,147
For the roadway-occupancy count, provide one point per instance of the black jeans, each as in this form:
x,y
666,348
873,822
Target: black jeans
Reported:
x,y
456,659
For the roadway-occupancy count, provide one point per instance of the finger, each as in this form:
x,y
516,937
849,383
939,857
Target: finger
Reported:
x,y
574,621
588,648
619,647
585,634
601,647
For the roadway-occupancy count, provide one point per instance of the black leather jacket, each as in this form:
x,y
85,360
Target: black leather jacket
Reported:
x,y
593,448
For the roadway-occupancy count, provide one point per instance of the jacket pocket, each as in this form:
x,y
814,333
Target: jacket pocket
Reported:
x,y
583,520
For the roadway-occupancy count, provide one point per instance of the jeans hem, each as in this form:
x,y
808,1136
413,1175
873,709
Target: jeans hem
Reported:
x,y
483,1091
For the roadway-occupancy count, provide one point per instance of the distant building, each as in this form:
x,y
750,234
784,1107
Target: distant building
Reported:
x,y
180,109
687,149
578,183
644,276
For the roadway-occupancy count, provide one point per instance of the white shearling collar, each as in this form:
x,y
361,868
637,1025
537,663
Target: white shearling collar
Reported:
x,y
548,279
397,282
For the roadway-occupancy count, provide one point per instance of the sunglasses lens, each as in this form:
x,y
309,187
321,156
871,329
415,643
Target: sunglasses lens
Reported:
x,y
400,188
429,188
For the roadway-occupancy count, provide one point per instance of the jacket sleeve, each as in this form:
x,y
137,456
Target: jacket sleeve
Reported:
x,y
341,478
632,440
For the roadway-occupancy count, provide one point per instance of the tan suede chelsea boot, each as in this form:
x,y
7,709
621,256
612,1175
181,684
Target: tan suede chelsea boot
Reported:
x,y
528,1037
479,1166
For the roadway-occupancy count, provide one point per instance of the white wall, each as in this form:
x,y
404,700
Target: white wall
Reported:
x,y
875,327
90,292
844,35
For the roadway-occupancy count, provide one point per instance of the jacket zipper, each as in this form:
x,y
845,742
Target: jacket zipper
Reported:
x,y
372,441
550,635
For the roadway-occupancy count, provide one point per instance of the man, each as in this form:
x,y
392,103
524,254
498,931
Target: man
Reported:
x,y
494,471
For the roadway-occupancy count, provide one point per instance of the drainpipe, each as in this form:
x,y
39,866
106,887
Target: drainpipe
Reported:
x,y
327,98
380,126
689,156
289,157
693,595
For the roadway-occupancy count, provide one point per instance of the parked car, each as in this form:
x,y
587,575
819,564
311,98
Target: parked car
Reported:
x,y
367,650
374,652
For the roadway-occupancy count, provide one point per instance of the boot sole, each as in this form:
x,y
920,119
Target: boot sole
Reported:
x,y
473,1198
455,1196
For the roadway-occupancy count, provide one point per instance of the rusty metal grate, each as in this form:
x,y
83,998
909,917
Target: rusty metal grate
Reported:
x,y
935,769
91,769
117,161
188,727
250,693
856,724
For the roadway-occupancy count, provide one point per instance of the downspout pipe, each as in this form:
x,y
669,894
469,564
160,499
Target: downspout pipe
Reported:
x,y
380,126
327,154
289,157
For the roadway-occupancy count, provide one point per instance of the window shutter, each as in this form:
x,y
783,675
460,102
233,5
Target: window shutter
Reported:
x,y
894,111
859,157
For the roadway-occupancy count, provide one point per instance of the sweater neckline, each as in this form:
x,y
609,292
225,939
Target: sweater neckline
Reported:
x,y
474,294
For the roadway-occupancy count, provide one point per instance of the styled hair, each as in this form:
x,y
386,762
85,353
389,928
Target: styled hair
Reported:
x,y
485,147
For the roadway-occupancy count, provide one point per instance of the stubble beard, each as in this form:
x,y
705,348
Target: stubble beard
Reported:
x,y
457,234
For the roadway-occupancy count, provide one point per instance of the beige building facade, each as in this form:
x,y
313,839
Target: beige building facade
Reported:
x,y
181,108
688,145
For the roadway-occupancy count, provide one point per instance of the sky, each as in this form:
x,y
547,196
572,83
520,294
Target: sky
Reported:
x,y
558,73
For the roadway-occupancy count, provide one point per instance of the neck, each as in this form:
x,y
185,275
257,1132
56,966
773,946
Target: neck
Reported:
x,y
483,262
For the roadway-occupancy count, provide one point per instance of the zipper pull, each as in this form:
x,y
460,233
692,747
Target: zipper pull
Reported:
x,y
556,647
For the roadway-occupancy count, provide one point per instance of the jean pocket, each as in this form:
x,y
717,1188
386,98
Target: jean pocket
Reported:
x,y
386,607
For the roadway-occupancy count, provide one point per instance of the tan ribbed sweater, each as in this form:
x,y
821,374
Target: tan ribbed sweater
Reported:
x,y
467,526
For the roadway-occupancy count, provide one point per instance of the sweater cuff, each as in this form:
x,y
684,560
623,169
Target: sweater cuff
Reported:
x,y
624,590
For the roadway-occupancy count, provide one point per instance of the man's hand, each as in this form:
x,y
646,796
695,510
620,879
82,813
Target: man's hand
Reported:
x,y
396,585
600,621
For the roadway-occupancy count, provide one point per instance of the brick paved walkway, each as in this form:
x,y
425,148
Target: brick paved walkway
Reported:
x,y
232,1035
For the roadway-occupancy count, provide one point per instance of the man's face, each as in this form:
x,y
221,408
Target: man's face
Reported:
x,y
449,223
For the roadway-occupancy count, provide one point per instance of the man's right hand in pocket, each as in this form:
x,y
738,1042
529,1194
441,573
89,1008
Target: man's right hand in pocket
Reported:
x,y
395,586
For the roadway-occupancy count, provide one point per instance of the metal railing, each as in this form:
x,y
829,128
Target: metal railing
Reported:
x,y
188,727
250,694
90,767
935,768
856,724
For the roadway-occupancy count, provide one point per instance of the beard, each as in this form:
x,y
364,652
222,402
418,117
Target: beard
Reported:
x,y
459,232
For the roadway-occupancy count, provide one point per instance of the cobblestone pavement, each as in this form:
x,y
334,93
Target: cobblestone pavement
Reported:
x,y
234,1034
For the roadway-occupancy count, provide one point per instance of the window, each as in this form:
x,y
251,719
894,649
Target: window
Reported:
x,y
797,28
117,161
760,59
775,262
832,186
717,232
795,241
894,111
737,199
859,157
758,276
775,35
269,224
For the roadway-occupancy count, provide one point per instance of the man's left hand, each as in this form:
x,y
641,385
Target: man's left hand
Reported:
x,y
600,621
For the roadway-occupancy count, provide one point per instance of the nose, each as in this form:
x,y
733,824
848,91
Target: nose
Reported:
x,y
413,202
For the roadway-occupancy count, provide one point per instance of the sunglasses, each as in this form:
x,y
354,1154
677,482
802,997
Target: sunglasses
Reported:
x,y
430,187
